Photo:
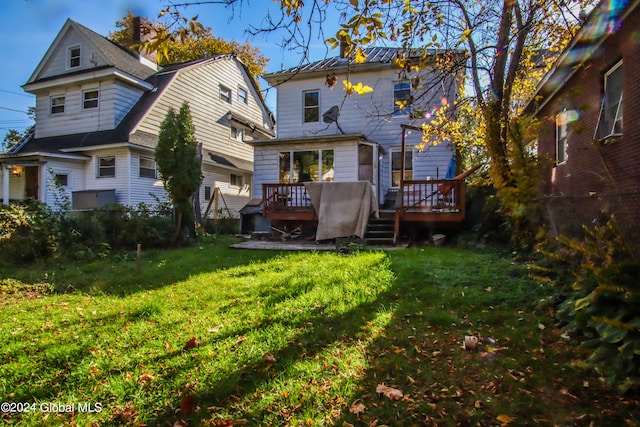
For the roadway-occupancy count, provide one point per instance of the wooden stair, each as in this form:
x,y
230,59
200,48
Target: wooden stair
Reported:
x,y
380,231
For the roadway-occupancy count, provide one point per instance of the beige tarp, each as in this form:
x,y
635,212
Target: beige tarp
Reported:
x,y
343,208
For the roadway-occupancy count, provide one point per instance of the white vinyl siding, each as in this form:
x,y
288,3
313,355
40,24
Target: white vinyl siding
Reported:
x,y
58,63
235,197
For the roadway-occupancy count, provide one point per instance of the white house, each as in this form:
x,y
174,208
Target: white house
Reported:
x,y
325,134
99,108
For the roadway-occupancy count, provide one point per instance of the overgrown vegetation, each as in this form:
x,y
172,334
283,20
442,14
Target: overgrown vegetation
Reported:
x,y
208,335
602,311
32,231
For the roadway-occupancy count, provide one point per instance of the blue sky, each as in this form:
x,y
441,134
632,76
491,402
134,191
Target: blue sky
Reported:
x,y
30,26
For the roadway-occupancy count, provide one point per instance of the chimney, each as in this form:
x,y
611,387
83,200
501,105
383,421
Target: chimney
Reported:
x,y
343,47
139,35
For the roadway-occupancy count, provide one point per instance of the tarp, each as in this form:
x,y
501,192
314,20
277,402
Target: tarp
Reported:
x,y
451,170
343,208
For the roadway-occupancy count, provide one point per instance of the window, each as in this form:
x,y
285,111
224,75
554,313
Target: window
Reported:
x,y
401,98
225,94
106,166
304,166
236,180
237,134
396,166
74,57
243,96
561,137
610,120
207,193
61,179
147,168
311,106
90,99
57,104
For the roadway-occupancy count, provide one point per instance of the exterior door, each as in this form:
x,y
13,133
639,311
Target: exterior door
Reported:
x,y
31,182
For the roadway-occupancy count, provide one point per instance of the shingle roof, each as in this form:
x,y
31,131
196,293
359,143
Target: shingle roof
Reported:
x,y
118,56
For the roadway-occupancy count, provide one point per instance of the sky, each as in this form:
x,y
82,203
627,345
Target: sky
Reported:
x,y
30,26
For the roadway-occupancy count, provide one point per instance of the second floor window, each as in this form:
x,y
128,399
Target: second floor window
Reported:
x,y
311,106
90,99
74,57
225,94
106,166
610,120
561,138
236,180
57,104
401,98
147,167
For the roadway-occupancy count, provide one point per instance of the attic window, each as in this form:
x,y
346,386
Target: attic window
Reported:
x,y
225,94
610,120
74,57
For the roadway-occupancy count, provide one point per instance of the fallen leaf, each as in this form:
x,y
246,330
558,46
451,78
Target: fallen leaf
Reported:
x,y
268,357
389,392
146,378
357,407
504,418
240,340
187,405
193,342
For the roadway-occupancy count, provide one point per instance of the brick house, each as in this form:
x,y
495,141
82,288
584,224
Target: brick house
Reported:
x,y
593,167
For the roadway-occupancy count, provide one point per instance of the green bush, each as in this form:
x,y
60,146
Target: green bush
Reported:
x,y
29,231
603,310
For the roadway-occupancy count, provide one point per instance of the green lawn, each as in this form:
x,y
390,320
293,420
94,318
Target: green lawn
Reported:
x,y
209,335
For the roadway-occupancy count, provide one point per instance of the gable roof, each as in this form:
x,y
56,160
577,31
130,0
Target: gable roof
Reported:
x,y
604,21
376,57
113,54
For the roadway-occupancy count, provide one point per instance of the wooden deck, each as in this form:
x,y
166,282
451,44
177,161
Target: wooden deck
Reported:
x,y
429,202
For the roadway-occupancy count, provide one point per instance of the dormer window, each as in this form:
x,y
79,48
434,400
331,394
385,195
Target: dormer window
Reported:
x,y
74,57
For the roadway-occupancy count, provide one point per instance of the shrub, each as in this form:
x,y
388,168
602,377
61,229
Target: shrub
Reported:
x,y
29,230
604,308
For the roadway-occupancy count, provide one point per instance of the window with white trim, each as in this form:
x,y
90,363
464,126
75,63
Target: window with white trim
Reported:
x,y
90,99
401,98
74,57
61,179
304,166
243,95
311,100
561,137
57,104
147,167
106,167
610,120
225,94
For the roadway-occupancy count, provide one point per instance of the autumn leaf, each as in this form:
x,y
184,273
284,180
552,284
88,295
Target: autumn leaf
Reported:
x,y
359,88
389,392
187,405
357,407
504,418
193,342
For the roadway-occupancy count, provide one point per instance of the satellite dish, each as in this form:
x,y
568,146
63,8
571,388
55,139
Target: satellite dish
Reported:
x,y
331,115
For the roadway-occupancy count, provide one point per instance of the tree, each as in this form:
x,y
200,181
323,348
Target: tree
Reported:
x,y
183,46
178,163
508,45
13,136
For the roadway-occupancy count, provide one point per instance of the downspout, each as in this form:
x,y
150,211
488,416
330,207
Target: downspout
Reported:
x,y
5,184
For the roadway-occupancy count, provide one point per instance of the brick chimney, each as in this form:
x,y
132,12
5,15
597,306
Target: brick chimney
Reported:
x,y
343,47
140,34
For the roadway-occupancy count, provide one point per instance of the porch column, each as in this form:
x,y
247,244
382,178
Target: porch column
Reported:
x,y
5,184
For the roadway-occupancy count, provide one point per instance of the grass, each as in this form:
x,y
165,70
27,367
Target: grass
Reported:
x,y
208,335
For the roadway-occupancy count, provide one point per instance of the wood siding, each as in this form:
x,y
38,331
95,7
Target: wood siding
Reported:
x,y
115,99
199,86
371,115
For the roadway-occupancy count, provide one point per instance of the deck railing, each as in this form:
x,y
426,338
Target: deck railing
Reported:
x,y
438,196
286,198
